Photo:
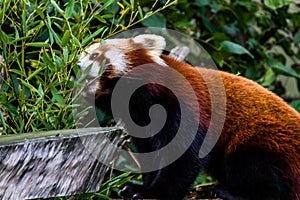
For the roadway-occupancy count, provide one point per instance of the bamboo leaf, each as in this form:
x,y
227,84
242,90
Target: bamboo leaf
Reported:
x,y
38,44
76,41
57,97
88,39
66,54
121,5
39,12
41,94
35,29
4,37
3,123
69,9
29,86
34,73
140,12
56,37
16,71
106,5
57,7
132,4
24,24
65,39
48,61
48,24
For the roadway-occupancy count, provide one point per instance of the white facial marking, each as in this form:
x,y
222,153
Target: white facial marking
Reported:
x,y
117,59
93,87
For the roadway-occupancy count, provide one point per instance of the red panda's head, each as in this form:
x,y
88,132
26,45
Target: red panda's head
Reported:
x,y
118,56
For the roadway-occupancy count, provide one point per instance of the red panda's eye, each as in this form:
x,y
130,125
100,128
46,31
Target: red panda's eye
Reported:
x,y
93,56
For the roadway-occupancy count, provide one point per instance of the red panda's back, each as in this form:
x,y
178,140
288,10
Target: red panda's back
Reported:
x,y
255,117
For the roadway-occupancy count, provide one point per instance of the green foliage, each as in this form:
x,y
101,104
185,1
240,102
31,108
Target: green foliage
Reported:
x,y
40,42
202,179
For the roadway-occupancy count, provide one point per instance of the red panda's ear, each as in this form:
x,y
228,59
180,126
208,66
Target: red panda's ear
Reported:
x,y
179,53
154,43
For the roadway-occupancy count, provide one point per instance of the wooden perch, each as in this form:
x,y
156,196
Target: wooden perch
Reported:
x,y
54,163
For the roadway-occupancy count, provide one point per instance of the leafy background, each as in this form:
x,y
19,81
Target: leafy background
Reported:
x,y
41,40
40,43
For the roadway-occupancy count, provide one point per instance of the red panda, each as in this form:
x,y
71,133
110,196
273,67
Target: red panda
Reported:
x,y
257,155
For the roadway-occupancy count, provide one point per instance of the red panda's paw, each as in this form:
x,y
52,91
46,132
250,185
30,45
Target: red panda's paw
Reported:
x,y
221,192
132,191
